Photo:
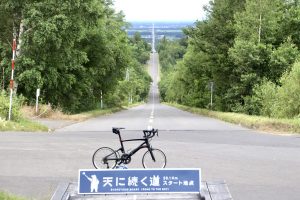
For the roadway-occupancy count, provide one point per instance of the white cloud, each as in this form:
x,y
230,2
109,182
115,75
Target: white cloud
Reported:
x,y
162,10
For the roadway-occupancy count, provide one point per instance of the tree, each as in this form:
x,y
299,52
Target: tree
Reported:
x,y
169,53
209,41
239,46
291,21
257,35
51,58
71,50
280,101
282,59
141,48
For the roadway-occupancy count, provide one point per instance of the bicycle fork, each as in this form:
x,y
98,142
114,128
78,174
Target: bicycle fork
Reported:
x,y
152,155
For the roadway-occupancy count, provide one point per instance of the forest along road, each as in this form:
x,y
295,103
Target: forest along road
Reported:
x,y
254,165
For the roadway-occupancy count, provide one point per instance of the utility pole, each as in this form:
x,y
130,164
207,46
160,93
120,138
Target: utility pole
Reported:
x,y
12,76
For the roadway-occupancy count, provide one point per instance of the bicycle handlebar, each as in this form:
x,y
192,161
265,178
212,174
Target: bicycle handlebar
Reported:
x,y
147,133
150,133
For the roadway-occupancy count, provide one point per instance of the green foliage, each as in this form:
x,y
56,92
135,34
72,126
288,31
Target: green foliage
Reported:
x,y
6,196
170,52
255,122
291,21
52,55
207,58
135,82
4,107
259,21
72,50
141,48
257,28
263,99
22,125
251,61
280,101
190,74
282,59
244,47
289,94
5,65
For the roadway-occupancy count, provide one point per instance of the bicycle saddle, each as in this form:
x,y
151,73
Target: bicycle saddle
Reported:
x,y
116,130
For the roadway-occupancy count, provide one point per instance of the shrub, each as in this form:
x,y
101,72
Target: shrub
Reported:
x,y
280,101
4,106
265,96
288,105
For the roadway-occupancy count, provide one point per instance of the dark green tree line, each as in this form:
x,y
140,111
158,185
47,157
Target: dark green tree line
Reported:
x,y
240,46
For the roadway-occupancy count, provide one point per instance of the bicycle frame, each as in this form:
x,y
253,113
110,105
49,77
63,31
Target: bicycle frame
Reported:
x,y
145,144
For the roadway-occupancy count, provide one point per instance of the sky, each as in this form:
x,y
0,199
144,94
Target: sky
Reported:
x,y
161,10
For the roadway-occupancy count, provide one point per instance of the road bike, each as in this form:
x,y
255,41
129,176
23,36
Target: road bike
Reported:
x,y
106,157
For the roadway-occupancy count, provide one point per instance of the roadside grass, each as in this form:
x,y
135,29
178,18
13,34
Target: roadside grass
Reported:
x,y
22,125
49,113
254,122
6,196
26,124
85,115
95,113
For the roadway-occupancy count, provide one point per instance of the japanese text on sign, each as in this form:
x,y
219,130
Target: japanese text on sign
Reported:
x,y
126,181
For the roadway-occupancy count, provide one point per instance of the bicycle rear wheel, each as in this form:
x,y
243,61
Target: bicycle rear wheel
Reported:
x,y
159,161
105,158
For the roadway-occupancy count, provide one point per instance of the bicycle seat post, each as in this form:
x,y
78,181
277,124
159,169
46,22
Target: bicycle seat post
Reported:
x,y
117,131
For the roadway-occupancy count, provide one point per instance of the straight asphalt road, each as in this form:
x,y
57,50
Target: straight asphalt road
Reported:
x,y
254,165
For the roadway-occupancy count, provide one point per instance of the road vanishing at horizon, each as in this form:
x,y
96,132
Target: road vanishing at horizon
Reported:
x,y
254,165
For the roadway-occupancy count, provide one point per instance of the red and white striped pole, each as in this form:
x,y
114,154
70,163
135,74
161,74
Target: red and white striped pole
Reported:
x,y
12,77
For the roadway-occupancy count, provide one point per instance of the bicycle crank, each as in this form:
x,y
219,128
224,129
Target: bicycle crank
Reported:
x,y
126,158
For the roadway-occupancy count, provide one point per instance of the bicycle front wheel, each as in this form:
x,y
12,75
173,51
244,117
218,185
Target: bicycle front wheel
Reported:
x,y
158,159
105,158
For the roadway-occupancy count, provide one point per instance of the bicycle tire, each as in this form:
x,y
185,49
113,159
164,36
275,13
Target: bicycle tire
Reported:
x,y
160,159
99,156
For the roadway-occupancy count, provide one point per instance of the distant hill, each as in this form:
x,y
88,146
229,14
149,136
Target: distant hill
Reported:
x,y
172,30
